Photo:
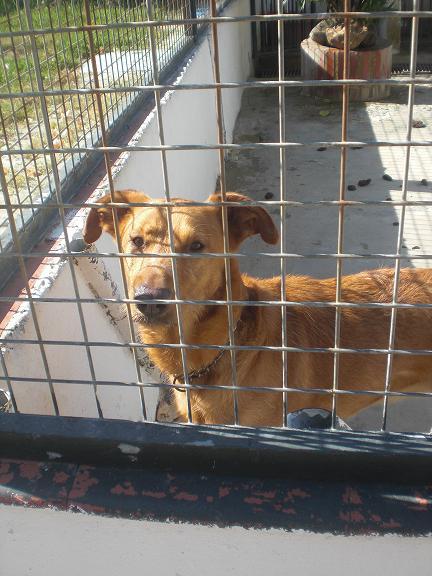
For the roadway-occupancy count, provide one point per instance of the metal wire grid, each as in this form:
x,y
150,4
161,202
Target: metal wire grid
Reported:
x,y
60,60
99,95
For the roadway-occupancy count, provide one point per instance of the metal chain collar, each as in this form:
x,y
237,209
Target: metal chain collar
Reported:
x,y
203,371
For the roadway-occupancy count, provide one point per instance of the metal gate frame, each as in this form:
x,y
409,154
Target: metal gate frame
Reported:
x,y
36,435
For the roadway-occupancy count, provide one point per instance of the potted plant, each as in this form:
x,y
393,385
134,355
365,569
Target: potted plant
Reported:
x,y
370,52
364,32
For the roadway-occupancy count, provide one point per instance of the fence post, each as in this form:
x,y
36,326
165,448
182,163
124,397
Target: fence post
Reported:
x,y
253,30
193,11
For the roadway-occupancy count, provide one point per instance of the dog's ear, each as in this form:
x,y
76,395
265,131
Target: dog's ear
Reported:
x,y
102,219
245,221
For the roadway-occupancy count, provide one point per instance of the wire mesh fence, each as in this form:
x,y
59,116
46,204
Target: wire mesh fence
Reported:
x,y
69,72
58,58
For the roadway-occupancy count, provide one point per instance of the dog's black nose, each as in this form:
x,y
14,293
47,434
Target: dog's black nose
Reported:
x,y
152,310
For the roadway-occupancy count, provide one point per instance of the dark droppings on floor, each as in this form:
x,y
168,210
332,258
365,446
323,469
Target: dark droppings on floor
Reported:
x,y
364,182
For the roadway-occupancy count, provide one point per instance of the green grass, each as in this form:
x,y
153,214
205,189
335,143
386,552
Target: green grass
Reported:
x,y
60,52
61,56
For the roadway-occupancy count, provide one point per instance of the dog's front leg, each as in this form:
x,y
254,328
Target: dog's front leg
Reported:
x,y
172,406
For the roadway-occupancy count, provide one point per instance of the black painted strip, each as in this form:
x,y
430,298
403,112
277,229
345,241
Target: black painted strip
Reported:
x,y
316,455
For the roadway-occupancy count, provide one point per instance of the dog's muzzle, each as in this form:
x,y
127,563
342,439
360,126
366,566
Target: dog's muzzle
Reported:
x,y
152,311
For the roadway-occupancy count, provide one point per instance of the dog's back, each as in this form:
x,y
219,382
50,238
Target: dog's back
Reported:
x,y
313,327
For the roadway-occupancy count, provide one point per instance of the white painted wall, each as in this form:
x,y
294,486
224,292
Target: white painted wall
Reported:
x,y
60,321
189,117
41,542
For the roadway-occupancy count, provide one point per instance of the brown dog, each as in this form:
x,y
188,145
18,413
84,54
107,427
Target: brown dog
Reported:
x,y
199,229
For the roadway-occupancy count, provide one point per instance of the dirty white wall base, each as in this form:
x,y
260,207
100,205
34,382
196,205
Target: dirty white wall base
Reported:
x,y
105,546
60,321
189,117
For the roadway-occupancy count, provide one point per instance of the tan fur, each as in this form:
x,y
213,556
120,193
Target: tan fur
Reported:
x,y
309,327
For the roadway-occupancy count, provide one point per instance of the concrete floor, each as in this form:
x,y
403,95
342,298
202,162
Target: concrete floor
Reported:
x,y
314,175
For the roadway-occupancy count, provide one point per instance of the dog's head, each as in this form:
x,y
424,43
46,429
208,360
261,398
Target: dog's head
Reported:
x,y
144,231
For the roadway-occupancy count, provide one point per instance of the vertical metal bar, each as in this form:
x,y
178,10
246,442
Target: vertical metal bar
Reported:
x,y
193,14
8,379
113,96
62,105
90,108
38,68
73,140
112,194
341,210
282,181
23,271
19,141
155,74
80,115
57,187
139,59
37,111
2,354
161,40
126,65
397,267
142,35
254,30
226,246
13,175
25,108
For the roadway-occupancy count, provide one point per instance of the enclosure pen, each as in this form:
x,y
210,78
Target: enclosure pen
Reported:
x,y
72,76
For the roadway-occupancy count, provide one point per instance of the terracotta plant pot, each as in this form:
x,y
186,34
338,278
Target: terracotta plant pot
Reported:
x,y
326,63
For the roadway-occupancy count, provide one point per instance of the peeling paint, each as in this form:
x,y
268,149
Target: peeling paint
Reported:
x,y
266,495
6,475
352,516
351,496
128,449
186,496
224,491
53,455
423,502
157,495
295,493
83,481
60,477
30,470
289,511
127,489
252,500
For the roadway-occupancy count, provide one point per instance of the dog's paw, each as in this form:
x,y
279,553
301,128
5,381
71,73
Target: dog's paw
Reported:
x,y
172,406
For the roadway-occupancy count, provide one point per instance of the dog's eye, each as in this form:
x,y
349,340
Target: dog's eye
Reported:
x,y
196,246
138,241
